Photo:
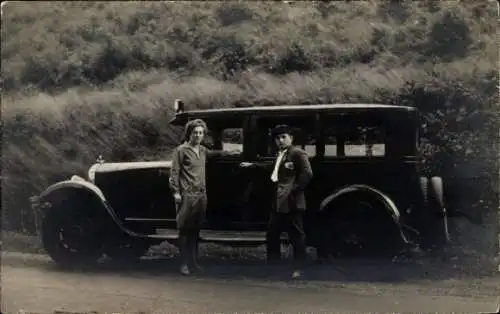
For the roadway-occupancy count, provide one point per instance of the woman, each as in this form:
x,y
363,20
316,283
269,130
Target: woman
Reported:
x,y
188,183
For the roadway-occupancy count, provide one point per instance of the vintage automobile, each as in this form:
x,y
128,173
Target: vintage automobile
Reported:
x,y
368,191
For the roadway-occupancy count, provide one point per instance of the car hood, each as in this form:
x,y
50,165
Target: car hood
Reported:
x,y
121,166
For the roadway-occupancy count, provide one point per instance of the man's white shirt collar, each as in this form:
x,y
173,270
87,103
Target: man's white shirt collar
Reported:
x,y
274,175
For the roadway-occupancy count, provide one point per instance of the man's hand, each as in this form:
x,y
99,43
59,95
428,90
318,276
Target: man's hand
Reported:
x,y
236,151
177,198
246,164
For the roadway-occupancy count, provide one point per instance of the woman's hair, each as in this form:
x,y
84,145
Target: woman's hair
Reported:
x,y
193,124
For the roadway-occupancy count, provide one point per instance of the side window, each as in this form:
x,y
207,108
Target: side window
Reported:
x,y
209,139
303,134
232,138
224,134
307,142
353,137
365,140
330,136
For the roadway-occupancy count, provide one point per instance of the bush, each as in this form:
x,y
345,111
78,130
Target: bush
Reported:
x,y
93,43
449,37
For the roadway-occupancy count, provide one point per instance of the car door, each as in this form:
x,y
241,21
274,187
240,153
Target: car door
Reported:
x,y
227,183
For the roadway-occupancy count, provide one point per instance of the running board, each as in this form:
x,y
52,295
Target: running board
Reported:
x,y
233,222
149,219
217,236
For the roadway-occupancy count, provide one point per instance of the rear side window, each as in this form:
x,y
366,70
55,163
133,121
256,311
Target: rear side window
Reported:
x,y
354,138
365,141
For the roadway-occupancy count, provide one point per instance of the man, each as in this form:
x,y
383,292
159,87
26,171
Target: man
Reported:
x,y
188,184
291,174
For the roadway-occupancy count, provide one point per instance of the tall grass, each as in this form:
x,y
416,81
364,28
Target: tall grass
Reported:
x,y
81,79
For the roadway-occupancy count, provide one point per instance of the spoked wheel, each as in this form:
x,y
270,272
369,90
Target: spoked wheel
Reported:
x,y
352,233
71,237
361,228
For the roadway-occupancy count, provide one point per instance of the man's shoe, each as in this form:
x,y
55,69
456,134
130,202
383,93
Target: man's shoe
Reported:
x,y
297,274
185,270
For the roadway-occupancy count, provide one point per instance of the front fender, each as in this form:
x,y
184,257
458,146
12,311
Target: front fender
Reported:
x,y
62,190
55,191
389,205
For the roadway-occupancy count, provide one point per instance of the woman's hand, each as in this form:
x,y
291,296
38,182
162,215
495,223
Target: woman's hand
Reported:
x,y
177,198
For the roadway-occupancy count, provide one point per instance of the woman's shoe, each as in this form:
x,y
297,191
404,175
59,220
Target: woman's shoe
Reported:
x,y
185,270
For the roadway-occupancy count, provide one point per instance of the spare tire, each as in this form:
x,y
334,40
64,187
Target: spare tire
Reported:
x,y
435,216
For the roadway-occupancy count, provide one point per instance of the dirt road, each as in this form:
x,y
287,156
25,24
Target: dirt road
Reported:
x,y
32,283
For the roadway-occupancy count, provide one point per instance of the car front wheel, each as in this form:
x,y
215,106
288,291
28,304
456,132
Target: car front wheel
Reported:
x,y
70,236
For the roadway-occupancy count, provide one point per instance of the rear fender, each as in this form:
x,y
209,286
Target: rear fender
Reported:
x,y
388,204
64,190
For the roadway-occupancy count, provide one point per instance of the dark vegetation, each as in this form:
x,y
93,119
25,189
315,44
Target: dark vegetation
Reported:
x,y
81,79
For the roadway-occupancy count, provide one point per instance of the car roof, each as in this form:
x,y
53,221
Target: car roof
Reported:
x,y
300,108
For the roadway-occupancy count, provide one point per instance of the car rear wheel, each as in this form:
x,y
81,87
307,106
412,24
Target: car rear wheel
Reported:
x,y
358,227
71,237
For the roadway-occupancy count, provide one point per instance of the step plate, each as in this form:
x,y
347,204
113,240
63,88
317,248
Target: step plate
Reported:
x,y
219,236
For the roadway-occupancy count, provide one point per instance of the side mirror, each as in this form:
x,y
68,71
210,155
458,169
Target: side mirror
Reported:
x,y
178,106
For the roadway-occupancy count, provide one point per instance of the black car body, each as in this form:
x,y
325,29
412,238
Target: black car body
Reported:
x,y
367,185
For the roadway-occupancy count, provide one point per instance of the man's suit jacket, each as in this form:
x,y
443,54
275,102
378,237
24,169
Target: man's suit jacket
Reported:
x,y
292,180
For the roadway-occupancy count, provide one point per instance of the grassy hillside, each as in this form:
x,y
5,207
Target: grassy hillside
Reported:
x,y
81,79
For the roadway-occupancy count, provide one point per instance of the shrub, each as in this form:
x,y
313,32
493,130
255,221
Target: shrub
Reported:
x,y
449,37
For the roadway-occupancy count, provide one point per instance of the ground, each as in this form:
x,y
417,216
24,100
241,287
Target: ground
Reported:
x,y
233,282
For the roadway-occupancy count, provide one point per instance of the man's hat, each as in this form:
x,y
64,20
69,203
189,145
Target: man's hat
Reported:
x,y
281,129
